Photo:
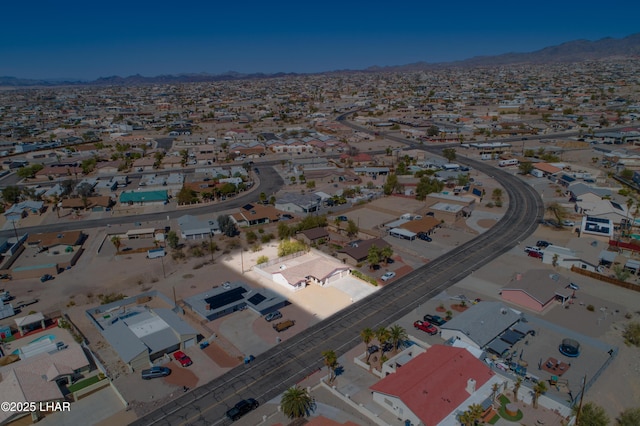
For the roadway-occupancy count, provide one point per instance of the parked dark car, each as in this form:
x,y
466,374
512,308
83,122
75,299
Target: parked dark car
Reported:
x,y
242,408
424,237
434,319
46,277
543,244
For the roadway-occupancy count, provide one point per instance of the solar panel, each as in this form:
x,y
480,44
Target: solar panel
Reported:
x,y
597,219
248,207
256,299
225,298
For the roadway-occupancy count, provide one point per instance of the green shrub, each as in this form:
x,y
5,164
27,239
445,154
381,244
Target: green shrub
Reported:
x,y
591,308
111,297
288,247
364,277
262,259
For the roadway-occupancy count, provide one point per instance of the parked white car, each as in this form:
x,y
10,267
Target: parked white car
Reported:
x,y
387,276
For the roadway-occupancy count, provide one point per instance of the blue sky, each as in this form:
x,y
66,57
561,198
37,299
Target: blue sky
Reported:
x,y
87,40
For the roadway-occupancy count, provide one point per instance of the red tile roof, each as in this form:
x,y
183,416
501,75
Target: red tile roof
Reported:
x,y
433,384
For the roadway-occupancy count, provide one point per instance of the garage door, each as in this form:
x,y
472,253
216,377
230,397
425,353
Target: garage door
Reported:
x,y
189,343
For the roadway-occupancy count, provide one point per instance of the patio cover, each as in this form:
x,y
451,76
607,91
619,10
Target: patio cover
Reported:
x,y
498,347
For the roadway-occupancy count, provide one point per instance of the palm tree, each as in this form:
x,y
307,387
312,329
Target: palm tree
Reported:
x,y
465,419
56,199
373,257
386,253
471,416
296,403
382,334
398,335
495,389
331,361
627,222
516,387
475,410
593,415
539,389
367,336
116,242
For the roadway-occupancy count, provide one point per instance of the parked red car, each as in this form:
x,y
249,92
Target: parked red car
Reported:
x,y
182,358
426,327
536,254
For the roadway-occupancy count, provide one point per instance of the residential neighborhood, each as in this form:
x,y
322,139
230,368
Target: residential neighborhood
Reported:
x,y
157,237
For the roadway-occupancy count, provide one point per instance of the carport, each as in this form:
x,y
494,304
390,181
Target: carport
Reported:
x,y
607,257
632,266
524,328
28,321
511,337
498,347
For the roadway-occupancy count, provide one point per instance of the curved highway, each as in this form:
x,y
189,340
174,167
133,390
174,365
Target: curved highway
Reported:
x,y
289,362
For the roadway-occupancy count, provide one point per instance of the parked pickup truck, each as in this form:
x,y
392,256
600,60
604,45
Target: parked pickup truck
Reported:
x,y
283,325
25,302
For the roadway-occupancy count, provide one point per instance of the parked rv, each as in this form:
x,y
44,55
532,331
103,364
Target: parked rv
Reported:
x,y
507,163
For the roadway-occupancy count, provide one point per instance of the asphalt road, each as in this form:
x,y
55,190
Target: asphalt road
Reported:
x,y
270,183
289,362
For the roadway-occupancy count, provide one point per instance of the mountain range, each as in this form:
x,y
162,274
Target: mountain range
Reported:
x,y
573,51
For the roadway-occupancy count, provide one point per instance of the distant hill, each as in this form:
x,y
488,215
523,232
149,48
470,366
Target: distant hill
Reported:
x,y
573,51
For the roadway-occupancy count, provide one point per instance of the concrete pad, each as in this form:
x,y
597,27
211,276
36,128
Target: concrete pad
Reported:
x,y
355,288
90,410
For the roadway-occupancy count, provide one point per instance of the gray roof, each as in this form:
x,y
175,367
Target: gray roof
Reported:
x,y
160,340
578,189
123,341
542,285
483,322
608,256
302,200
190,225
178,325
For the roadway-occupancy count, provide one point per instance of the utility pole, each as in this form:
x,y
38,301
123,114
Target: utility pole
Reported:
x,y
211,246
584,383
15,231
